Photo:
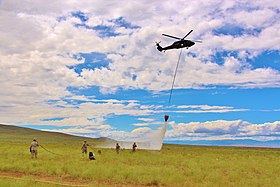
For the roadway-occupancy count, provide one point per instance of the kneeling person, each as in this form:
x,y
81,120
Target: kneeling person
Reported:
x,y
91,156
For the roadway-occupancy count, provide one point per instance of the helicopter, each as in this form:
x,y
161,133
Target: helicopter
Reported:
x,y
178,44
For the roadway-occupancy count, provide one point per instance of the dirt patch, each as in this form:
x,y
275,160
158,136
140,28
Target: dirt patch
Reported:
x,y
57,180
64,180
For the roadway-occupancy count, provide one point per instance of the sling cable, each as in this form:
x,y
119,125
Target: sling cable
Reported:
x,y
171,90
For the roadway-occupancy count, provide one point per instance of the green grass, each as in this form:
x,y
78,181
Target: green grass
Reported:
x,y
174,165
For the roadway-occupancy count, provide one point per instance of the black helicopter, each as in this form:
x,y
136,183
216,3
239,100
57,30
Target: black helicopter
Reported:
x,y
178,44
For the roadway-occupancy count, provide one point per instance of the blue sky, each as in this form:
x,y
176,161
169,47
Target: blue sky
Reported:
x,y
92,69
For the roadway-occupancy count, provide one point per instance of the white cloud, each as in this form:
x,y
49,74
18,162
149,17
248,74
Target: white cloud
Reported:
x,y
209,130
140,124
207,109
83,114
222,129
141,130
204,107
82,131
146,119
49,37
36,50
258,18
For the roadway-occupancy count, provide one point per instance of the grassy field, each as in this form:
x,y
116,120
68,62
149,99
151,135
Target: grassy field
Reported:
x,y
174,165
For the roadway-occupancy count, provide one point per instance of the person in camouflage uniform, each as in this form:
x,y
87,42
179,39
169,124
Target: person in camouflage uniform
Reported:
x,y
118,147
134,147
34,149
84,148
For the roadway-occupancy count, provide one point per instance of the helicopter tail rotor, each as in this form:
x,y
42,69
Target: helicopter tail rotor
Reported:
x,y
158,46
157,43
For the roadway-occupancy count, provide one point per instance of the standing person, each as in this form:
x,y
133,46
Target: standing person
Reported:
x,y
84,148
34,148
134,147
118,147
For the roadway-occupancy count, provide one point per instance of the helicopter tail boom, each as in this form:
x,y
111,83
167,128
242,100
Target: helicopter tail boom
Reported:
x,y
159,47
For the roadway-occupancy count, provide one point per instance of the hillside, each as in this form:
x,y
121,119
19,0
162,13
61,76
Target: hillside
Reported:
x,y
15,134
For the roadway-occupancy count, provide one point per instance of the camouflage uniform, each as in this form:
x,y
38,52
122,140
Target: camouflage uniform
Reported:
x,y
134,147
34,149
118,148
84,148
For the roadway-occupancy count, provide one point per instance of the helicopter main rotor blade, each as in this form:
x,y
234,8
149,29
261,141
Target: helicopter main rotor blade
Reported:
x,y
171,36
199,41
187,35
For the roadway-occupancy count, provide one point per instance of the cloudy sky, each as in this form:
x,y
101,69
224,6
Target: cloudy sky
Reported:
x,y
91,68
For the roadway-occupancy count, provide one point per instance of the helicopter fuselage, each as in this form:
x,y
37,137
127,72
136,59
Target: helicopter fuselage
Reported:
x,y
177,45
181,44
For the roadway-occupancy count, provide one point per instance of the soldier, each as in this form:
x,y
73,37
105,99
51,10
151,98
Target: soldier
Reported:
x,y
118,147
91,156
134,147
84,148
34,148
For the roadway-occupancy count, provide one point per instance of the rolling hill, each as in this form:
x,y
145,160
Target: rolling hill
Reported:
x,y
15,134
